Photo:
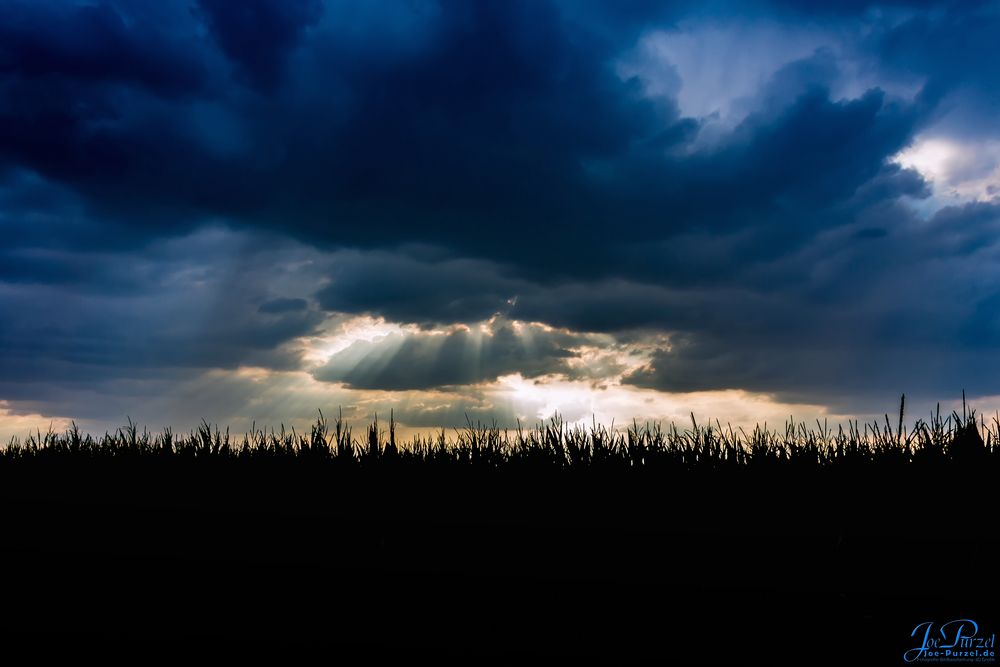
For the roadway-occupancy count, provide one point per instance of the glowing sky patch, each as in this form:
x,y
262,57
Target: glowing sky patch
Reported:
x,y
14,425
716,70
319,349
958,171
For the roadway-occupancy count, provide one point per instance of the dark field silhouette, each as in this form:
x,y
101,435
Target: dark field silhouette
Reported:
x,y
701,545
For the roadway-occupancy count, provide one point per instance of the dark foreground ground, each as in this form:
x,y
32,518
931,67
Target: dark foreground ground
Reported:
x,y
742,566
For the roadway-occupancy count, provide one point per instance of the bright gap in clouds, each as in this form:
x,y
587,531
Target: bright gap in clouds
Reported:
x,y
317,349
580,404
249,397
591,389
717,69
958,171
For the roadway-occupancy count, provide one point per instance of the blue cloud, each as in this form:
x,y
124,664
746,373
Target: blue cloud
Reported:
x,y
258,34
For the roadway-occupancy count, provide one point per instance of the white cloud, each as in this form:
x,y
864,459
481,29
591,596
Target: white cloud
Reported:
x,y
958,170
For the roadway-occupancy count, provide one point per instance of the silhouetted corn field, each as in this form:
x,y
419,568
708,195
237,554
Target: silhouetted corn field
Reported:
x,y
691,544
963,438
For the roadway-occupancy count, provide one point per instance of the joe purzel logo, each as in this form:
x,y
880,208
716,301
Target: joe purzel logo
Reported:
x,y
960,640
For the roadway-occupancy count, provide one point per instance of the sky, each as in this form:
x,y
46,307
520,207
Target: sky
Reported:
x,y
248,211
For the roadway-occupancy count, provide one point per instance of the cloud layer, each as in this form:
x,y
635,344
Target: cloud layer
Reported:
x,y
792,198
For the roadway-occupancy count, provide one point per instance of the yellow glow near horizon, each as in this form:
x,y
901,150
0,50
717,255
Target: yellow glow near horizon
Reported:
x,y
579,403
18,426
293,398
592,389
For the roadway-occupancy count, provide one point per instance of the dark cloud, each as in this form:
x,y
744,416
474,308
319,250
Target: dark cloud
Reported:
x,y
443,162
844,377
408,289
94,44
855,327
854,7
510,123
283,305
953,48
258,34
184,306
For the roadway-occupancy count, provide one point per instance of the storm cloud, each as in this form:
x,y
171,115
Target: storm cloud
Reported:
x,y
791,198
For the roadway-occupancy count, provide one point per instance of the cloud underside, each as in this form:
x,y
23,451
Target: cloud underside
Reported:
x,y
561,192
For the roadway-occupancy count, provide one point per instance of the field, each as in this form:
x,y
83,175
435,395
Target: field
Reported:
x,y
678,545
